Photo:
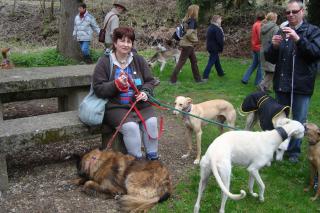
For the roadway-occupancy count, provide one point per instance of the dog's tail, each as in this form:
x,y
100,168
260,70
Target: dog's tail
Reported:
x,y
129,203
223,187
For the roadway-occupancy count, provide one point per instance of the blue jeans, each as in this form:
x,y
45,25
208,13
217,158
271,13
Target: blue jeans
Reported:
x,y
255,64
85,48
213,60
299,109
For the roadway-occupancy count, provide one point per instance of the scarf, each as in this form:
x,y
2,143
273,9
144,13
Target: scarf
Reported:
x,y
82,14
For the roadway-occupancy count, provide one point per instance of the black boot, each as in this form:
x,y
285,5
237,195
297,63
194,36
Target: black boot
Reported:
x,y
88,59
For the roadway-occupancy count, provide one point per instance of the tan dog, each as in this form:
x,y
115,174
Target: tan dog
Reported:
x,y
218,109
142,183
163,55
313,136
5,59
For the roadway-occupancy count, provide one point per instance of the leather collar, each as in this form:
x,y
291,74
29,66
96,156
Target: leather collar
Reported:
x,y
282,133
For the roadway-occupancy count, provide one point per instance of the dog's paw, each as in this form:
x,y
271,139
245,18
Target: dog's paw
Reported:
x,y
67,185
196,161
254,194
314,198
185,156
117,197
89,192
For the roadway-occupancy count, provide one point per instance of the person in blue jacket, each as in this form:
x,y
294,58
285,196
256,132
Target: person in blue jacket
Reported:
x,y
215,40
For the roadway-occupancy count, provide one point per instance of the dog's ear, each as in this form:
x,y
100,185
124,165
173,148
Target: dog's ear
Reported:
x,y
282,122
189,100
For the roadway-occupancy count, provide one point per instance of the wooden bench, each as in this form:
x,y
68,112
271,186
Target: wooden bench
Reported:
x,y
69,84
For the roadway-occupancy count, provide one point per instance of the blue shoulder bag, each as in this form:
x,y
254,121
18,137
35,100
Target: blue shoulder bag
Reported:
x,y
91,109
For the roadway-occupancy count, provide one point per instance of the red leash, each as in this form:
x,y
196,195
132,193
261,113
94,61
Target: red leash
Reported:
x,y
161,129
133,106
109,143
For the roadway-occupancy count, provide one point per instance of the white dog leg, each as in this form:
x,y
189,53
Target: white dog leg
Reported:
x,y
189,143
256,175
163,63
205,172
251,184
251,120
225,173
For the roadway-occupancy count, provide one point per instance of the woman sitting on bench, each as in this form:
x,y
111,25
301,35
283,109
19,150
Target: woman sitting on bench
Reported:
x,y
128,67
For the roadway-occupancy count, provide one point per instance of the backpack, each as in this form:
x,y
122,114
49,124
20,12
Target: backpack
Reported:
x,y
179,33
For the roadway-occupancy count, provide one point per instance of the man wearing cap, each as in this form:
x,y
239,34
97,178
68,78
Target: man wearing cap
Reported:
x,y
111,21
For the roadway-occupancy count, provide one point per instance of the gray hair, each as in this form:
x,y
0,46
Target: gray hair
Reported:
x,y
299,2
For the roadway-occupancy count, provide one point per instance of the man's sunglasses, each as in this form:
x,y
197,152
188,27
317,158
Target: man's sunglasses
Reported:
x,y
294,12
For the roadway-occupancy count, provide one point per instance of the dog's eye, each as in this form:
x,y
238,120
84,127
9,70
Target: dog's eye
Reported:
x,y
180,104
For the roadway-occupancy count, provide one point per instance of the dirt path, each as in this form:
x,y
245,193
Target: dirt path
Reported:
x,y
38,187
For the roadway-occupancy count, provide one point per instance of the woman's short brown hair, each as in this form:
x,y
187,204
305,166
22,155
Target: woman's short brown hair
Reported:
x,y
122,32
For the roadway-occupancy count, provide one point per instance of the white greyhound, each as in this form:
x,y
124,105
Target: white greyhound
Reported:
x,y
251,149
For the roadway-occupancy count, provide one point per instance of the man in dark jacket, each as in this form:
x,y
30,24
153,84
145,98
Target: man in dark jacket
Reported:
x,y
295,54
215,39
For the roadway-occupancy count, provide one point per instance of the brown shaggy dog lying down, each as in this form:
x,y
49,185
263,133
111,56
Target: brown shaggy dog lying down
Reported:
x,y
141,183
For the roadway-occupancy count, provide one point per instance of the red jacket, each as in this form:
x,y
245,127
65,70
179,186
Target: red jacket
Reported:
x,y
255,36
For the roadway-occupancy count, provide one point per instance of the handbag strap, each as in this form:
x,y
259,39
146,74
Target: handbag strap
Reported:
x,y
105,26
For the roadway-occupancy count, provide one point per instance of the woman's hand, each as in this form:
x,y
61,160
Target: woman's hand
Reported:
x,y
142,96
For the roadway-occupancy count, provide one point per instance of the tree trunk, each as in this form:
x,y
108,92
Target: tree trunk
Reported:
x,y
67,45
52,10
42,6
13,12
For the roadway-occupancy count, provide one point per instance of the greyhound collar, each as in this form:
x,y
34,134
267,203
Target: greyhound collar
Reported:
x,y
313,143
282,133
187,109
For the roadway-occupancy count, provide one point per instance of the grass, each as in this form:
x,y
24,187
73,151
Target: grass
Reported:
x,y
284,181
44,57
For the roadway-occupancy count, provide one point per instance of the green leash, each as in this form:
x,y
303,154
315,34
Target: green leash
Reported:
x,y
155,101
